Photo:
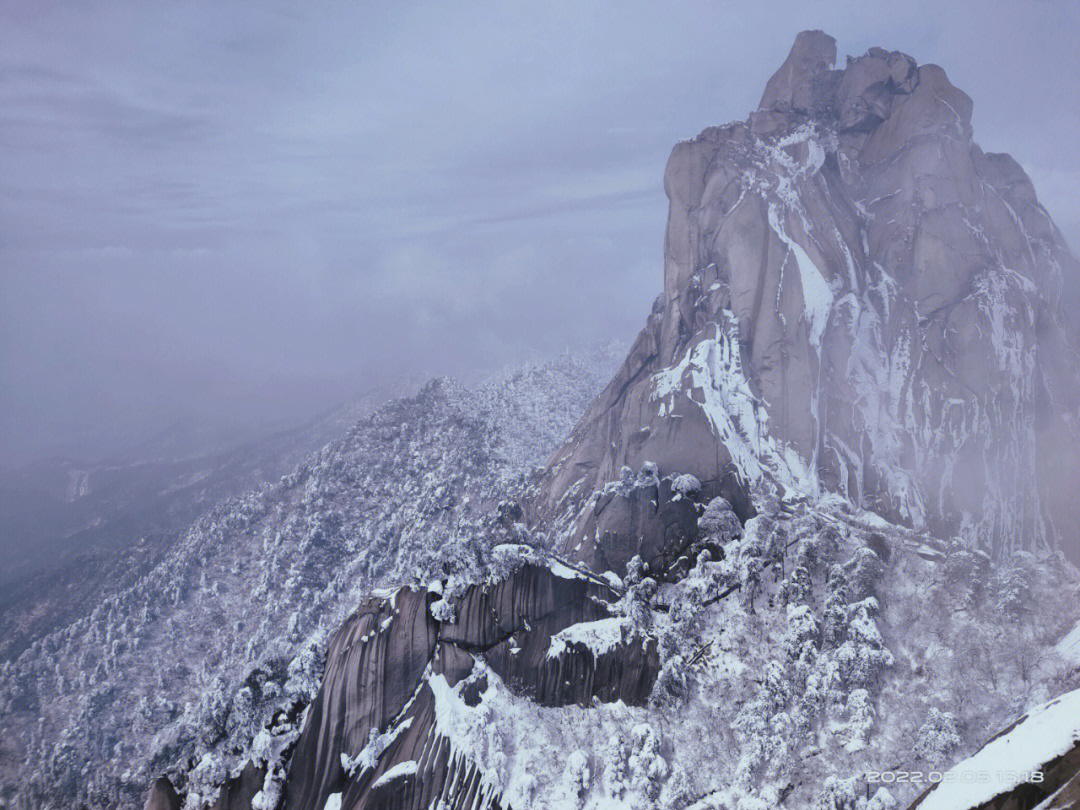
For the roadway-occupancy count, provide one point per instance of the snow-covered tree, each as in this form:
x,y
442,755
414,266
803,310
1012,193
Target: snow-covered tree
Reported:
x,y
938,737
646,768
860,719
574,784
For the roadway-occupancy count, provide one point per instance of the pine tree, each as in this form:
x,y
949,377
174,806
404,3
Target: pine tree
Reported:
x,y
860,714
938,737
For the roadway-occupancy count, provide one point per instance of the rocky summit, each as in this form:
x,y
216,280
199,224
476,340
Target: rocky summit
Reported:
x,y
857,299
816,531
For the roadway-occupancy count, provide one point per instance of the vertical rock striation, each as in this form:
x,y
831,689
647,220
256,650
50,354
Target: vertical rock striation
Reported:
x,y
857,299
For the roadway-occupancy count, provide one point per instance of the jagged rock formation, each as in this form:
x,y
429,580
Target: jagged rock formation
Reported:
x,y
856,299
393,665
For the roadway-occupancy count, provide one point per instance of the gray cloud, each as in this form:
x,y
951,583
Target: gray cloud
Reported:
x,y
248,210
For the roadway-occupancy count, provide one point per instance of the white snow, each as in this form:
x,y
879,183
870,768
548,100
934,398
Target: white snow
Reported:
x,y
564,571
817,296
713,369
599,637
399,771
1004,763
333,802
1069,647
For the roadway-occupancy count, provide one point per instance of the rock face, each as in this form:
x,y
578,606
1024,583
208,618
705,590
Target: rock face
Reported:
x,y
395,668
162,796
856,299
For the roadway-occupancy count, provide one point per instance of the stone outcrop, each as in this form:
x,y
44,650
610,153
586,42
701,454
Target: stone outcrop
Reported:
x,y
237,794
647,519
162,796
856,299
385,668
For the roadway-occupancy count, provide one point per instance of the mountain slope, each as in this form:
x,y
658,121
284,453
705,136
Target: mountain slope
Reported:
x,y
179,670
812,529
75,532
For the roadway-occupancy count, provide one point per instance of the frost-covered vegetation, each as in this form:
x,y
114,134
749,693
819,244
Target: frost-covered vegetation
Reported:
x,y
214,655
813,645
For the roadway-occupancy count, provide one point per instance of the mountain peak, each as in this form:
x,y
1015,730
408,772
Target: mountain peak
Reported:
x,y
813,53
857,299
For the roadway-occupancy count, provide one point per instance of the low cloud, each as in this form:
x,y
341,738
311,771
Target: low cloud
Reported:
x,y
251,210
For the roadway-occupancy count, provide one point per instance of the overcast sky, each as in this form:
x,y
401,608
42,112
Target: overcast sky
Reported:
x,y
231,211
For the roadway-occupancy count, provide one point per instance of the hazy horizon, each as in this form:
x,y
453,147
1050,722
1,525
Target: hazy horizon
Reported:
x,y
242,215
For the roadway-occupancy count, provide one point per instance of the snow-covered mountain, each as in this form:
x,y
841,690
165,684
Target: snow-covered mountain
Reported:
x,y
237,613
813,533
814,527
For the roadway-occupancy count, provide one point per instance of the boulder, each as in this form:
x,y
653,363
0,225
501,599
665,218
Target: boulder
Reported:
x,y
162,796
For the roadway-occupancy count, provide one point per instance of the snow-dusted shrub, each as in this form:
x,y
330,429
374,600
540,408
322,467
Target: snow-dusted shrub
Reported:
x,y
616,773
1012,585
801,643
881,800
686,485
967,571
860,718
838,794
863,657
719,523
678,792
835,618
938,737
645,766
763,729
864,572
574,784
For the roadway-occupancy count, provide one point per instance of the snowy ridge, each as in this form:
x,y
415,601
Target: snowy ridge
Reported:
x,y
184,672
1042,735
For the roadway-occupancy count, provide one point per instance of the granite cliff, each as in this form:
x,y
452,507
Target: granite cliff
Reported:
x,y
857,299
